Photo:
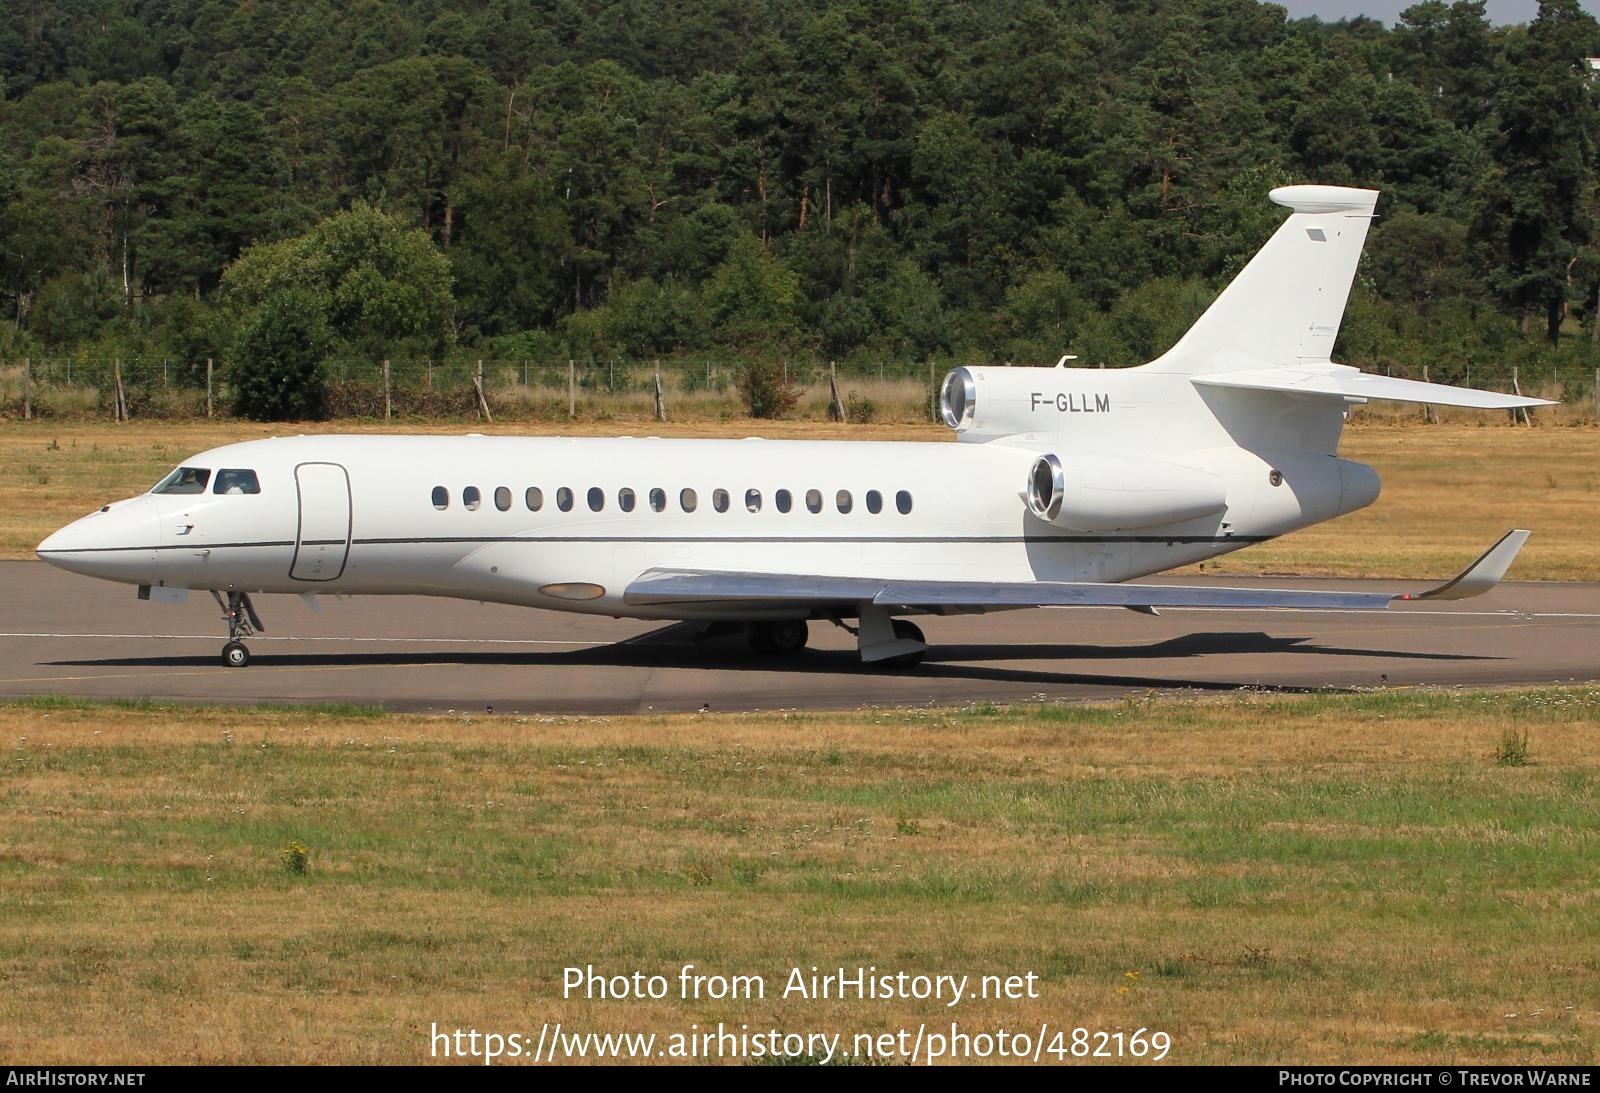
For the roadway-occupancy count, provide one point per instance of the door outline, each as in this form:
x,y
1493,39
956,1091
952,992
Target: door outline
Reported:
x,y
300,525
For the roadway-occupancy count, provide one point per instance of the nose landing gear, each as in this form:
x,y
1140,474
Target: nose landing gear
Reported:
x,y
240,615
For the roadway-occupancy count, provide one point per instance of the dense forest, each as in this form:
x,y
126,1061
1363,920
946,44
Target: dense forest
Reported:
x,y
760,179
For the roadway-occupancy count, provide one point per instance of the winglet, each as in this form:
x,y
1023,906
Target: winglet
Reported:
x,y
1481,575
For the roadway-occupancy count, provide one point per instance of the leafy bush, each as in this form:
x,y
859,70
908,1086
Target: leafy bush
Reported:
x,y
766,391
1513,749
858,409
276,367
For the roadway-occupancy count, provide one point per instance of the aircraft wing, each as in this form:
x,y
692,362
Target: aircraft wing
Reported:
x,y
720,587
1342,381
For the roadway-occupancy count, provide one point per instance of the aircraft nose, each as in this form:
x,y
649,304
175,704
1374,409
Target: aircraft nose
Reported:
x,y
118,543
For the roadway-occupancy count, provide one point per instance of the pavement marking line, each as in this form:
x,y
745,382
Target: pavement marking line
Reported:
x,y
80,679
289,637
1508,612
279,669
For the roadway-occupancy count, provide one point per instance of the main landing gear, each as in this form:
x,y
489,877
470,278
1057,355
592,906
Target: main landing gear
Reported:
x,y
893,643
779,638
240,615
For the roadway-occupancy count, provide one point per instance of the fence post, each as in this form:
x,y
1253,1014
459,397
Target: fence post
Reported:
x,y
1519,411
661,406
27,388
835,404
483,402
208,387
164,382
120,401
933,393
1597,396
388,405
572,389
1428,416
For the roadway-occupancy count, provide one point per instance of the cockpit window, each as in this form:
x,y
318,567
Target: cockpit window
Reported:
x,y
236,481
184,480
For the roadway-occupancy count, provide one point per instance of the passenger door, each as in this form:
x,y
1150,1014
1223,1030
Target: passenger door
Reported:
x,y
322,544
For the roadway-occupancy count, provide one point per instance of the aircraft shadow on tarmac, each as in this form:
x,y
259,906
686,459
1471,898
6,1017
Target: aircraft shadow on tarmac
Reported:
x,y
676,646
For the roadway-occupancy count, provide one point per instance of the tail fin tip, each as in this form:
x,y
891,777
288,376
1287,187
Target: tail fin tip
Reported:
x,y
1325,199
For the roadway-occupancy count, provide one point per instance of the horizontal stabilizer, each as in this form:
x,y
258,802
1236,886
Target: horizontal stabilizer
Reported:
x,y
657,587
1342,381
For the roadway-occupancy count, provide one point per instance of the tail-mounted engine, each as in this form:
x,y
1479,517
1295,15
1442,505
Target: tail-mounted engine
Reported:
x,y
1031,408
983,404
1111,493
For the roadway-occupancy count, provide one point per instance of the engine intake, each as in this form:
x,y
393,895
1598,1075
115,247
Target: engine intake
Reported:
x,y
1106,493
958,399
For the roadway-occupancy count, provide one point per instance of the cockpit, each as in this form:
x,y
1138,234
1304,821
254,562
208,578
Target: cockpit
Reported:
x,y
190,480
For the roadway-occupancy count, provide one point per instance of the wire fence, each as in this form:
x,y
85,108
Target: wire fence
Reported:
x,y
550,389
67,386
605,375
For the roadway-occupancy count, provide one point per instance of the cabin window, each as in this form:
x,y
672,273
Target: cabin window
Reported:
x,y
625,499
502,498
658,499
814,500
564,499
752,500
843,501
533,498
687,499
471,498
597,498
784,500
184,480
236,481
719,500
902,501
874,502
441,498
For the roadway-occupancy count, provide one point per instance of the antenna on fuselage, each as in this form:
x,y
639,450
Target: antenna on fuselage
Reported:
x,y
1065,357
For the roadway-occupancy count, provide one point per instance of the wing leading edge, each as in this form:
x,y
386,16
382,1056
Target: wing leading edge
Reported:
x,y
1344,382
659,587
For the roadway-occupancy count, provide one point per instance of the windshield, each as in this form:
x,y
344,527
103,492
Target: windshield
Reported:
x,y
231,480
184,480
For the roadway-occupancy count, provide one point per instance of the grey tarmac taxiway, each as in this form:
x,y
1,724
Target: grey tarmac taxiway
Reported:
x,y
72,635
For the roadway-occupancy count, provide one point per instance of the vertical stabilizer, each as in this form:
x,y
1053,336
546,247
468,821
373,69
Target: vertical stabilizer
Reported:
x,y
1284,308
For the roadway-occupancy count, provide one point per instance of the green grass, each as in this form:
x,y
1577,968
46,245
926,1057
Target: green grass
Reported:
x,y
1288,878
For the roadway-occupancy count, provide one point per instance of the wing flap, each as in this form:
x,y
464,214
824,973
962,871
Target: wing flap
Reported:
x,y
1342,381
1138,596
657,587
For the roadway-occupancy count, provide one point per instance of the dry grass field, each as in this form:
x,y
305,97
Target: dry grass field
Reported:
x,y
1449,490
1383,877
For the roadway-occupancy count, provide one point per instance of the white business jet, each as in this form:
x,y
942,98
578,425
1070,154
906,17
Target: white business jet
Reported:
x,y
1064,484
